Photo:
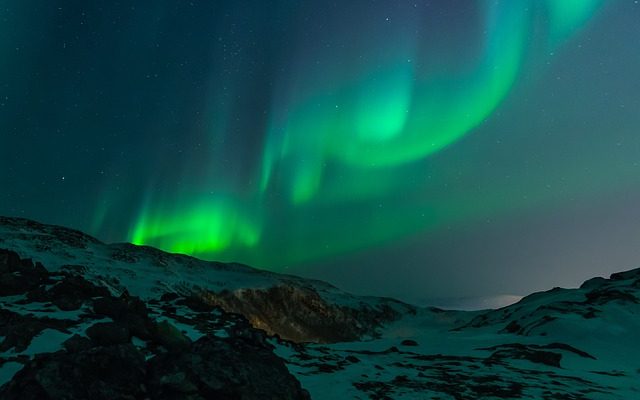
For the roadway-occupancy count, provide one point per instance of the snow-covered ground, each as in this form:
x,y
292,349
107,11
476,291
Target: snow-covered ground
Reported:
x,y
560,344
571,344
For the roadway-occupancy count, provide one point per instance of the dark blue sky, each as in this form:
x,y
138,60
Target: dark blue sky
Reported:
x,y
421,149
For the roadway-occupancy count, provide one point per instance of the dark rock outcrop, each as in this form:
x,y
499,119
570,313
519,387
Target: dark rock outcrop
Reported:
x,y
18,330
234,368
109,333
99,373
548,354
212,368
127,310
171,338
19,276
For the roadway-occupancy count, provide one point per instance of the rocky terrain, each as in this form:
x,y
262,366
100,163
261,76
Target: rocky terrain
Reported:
x,y
561,344
82,319
72,339
294,308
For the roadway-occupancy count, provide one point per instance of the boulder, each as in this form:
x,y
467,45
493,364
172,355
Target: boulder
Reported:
x,y
70,293
109,333
171,338
219,368
99,373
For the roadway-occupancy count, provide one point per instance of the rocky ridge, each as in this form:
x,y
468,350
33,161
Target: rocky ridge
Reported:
x,y
291,307
191,329
102,346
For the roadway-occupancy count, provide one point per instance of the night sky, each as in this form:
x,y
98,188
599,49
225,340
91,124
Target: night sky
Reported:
x,y
417,149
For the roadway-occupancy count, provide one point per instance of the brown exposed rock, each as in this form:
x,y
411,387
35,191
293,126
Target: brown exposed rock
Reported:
x,y
171,338
301,314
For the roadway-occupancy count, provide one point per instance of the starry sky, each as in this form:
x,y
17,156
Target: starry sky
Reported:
x,y
426,150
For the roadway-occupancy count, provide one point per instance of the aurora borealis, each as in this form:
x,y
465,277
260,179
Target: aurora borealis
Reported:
x,y
406,141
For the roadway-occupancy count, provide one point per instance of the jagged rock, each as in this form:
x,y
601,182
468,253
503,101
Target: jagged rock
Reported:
x,y
223,369
19,276
195,303
9,261
109,333
301,314
171,338
533,353
513,327
241,364
294,308
106,365
100,373
120,308
18,330
110,306
12,284
77,343
70,293
211,368
127,310
169,297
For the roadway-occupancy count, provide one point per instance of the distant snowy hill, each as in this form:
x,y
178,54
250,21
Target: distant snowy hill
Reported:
x,y
560,344
472,303
84,319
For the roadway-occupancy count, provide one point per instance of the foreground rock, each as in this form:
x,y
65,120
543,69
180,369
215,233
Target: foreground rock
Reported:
x,y
210,369
98,359
237,368
300,314
128,322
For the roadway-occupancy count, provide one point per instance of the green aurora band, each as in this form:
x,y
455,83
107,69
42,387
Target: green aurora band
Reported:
x,y
339,142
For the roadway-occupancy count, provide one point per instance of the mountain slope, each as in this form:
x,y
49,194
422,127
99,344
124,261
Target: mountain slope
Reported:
x,y
64,337
294,308
186,328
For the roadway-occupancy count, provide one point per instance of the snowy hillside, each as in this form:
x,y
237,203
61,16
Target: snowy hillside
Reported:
x,y
170,326
295,308
560,344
